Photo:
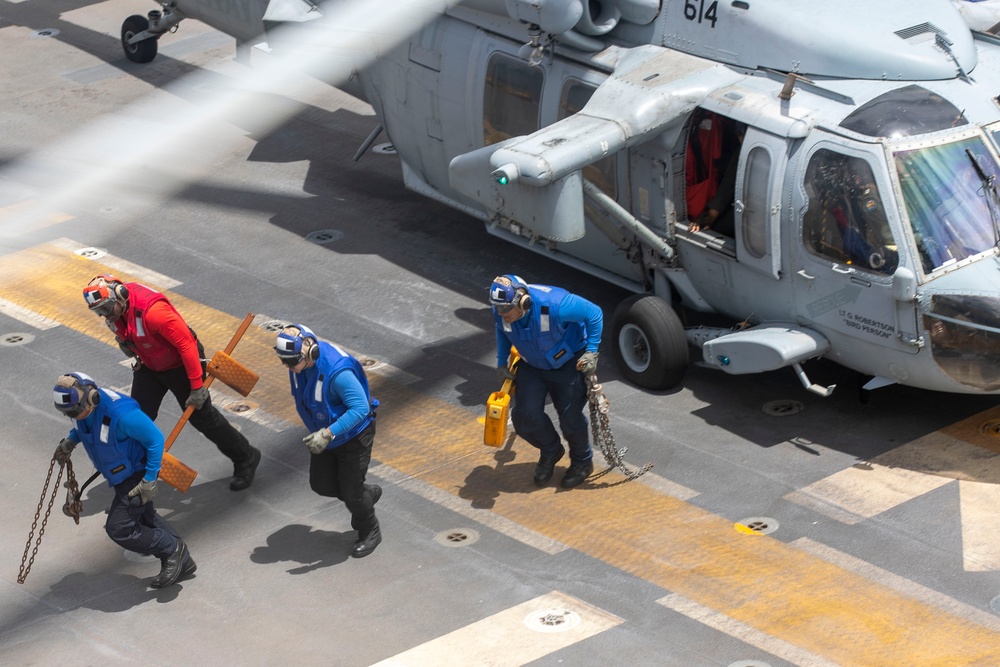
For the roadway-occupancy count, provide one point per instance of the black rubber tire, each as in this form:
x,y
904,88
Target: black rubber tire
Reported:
x,y
140,52
650,346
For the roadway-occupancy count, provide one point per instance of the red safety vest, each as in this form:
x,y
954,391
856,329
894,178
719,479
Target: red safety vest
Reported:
x,y
154,351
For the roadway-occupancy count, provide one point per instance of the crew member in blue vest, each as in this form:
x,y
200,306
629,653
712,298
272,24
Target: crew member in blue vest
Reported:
x,y
557,335
332,398
126,447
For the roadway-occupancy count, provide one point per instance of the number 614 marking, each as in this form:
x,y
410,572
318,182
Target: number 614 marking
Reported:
x,y
694,10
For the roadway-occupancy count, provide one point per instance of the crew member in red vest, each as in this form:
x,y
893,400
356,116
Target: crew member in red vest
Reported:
x,y
169,358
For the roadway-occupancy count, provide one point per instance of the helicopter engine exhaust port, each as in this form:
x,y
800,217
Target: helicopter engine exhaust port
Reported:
x,y
651,348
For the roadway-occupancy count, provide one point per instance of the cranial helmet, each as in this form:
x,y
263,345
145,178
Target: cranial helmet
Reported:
x,y
103,293
296,342
74,393
509,291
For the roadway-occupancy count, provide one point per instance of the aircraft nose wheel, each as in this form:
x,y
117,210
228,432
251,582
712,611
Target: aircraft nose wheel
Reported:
x,y
142,51
650,345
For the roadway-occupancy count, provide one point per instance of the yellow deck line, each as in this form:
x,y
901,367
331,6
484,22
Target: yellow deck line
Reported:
x,y
49,280
759,581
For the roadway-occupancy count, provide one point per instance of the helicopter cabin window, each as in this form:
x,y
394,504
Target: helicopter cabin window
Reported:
x,y
602,172
945,188
845,221
904,112
755,211
511,100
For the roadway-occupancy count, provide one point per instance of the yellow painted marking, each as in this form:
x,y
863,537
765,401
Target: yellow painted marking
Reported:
x,y
46,218
772,587
746,530
761,582
505,639
972,431
57,278
743,632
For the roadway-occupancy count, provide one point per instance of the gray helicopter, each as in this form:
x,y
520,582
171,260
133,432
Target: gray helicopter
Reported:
x,y
822,173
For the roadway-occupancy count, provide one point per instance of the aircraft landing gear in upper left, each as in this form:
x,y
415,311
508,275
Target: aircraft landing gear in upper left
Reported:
x,y
142,50
141,33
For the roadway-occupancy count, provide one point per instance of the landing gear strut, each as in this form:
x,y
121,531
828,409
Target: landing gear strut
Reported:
x,y
141,50
140,33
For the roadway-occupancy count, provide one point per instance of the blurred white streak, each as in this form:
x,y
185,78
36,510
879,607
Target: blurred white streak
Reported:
x,y
143,153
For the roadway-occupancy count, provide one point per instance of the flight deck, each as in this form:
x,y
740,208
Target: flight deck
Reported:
x,y
775,528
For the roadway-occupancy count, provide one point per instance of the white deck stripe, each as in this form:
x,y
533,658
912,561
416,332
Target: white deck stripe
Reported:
x,y
459,506
743,632
26,316
978,503
141,273
900,584
893,478
504,639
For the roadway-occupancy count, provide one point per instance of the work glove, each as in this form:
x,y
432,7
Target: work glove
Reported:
x,y
317,442
64,450
145,490
587,363
125,347
197,398
503,373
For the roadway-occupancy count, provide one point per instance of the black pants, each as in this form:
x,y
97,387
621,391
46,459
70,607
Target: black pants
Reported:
x,y
138,527
340,473
148,389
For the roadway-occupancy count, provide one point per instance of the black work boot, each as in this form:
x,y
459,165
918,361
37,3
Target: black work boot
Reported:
x,y
172,566
576,474
375,491
243,472
365,545
546,464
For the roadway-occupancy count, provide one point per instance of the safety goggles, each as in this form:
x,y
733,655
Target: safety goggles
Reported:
x,y
99,299
503,309
292,362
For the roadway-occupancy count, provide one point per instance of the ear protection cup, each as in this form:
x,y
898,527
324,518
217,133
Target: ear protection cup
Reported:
x,y
88,389
313,353
523,300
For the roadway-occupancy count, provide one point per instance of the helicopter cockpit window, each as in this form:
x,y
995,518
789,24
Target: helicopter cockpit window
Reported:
x,y
845,221
904,112
946,200
601,173
511,100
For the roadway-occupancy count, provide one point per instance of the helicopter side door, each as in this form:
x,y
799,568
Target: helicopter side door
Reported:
x,y
844,249
757,207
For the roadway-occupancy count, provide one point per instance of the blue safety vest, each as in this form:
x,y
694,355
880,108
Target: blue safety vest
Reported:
x,y
315,405
541,338
115,457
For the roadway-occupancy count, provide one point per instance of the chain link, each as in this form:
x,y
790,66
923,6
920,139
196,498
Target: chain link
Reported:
x,y
74,492
600,429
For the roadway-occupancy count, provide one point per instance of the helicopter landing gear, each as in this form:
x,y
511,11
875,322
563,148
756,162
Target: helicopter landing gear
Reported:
x,y
651,348
142,51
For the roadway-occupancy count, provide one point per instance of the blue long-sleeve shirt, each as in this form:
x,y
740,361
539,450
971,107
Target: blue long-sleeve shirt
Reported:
x,y
572,308
136,425
352,394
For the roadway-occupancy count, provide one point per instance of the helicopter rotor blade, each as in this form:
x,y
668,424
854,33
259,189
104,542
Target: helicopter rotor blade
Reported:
x,y
145,152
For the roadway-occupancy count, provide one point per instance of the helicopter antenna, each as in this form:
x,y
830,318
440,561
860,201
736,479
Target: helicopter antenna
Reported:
x,y
944,44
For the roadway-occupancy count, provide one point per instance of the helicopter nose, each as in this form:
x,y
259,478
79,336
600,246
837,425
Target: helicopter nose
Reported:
x,y
965,338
